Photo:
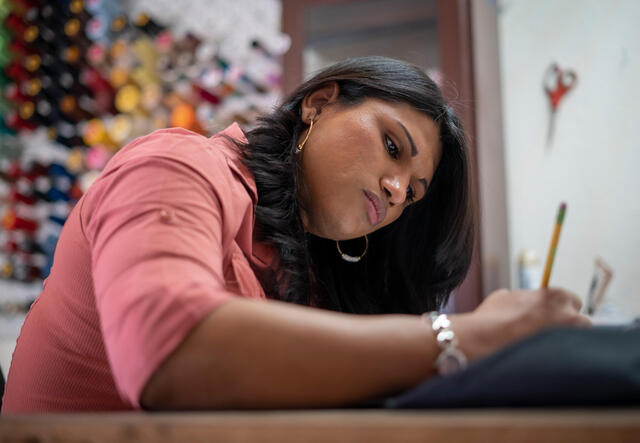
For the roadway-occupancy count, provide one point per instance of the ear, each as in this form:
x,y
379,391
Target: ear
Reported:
x,y
313,103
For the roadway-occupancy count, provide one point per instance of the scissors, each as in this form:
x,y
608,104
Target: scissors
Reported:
x,y
557,83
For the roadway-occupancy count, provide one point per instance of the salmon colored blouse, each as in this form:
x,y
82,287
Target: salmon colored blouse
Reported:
x,y
164,236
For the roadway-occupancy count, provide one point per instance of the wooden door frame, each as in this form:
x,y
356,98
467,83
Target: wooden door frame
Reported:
x,y
456,65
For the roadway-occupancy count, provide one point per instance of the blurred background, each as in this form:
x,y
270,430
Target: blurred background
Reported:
x,y
547,91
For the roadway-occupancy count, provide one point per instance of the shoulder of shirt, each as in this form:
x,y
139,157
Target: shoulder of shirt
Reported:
x,y
215,158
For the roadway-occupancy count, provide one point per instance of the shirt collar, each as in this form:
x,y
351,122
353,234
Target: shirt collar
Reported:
x,y
235,159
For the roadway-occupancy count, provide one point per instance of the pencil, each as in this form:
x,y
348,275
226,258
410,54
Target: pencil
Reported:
x,y
554,244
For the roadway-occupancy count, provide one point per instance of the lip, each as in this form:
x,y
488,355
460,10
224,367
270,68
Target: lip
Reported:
x,y
376,209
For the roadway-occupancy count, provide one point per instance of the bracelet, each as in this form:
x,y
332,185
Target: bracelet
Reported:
x,y
451,359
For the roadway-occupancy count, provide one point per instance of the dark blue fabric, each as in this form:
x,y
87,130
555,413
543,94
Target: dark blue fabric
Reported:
x,y
558,367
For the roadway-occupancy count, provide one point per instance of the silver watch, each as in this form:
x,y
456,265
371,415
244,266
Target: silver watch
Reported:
x,y
451,359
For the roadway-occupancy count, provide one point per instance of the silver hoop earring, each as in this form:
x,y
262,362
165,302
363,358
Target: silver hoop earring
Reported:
x,y
351,258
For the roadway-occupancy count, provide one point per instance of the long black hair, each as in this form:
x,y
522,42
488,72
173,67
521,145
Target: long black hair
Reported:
x,y
412,264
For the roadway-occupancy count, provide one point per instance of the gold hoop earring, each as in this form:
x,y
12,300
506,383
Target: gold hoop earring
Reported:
x,y
301,145
351,258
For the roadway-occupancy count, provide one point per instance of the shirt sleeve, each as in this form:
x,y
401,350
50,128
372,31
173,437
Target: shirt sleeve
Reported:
x,y
157,263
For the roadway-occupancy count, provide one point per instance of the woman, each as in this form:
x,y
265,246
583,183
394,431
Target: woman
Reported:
x,y
352,196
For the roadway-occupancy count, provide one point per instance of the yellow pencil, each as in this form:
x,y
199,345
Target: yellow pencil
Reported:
x,y
554,244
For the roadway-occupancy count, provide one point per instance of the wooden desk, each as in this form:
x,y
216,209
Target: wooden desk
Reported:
x,y
371,426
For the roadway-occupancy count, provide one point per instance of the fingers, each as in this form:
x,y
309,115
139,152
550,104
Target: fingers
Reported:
x,y
566,296
583,321
575,301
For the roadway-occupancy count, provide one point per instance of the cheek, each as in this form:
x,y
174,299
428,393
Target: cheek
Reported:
x,y
344,156
344,159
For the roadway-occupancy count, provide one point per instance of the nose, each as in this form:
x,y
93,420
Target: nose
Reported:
x,y
395,187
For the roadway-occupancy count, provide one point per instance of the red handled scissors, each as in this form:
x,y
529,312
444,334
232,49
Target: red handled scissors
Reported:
x,y
557,83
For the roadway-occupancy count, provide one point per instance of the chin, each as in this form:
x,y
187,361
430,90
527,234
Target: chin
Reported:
x,y
339,227
349,234
337,231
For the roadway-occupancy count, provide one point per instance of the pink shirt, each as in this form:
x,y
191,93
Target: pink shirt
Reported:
x,y
163,237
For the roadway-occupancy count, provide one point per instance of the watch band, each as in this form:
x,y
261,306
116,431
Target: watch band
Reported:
x,y
451,359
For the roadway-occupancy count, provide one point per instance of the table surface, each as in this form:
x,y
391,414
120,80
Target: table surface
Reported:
x,y
371,426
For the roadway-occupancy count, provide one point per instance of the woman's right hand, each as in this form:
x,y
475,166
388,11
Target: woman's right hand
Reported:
x,y
507,316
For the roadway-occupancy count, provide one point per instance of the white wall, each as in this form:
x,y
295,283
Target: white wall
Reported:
x,y
593,162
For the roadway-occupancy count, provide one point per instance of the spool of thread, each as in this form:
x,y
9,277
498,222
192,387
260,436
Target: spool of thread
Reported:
x,y
97,157
103,6
120,130
128,98
31,212
9,246
10,170
151,96
205,112
13,94
184,115
94,133
122,55
97,29
87,179
19,50
34,170
146,52
118,77
147,25
13,121
76,7
15,196
75,160
75,193
159,119
205,95
74,30
58,170
73,55
6,268
164,41
17,72
66,134
12,222
26,273
119,25
29,245
62,183
57,220
97,54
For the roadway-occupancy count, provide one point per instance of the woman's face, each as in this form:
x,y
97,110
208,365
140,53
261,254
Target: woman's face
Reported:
x,y
363,164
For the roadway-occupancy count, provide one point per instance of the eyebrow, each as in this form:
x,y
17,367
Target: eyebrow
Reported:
x,y
424,183
414,152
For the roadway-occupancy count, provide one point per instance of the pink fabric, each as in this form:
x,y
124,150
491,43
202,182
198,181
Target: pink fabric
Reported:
x,y
163,237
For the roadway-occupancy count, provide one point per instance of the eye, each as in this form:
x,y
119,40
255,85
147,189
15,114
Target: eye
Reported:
x,y
392,149
394,152
411,196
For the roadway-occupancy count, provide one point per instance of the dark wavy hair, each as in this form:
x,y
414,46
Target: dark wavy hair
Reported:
x,y
414,263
